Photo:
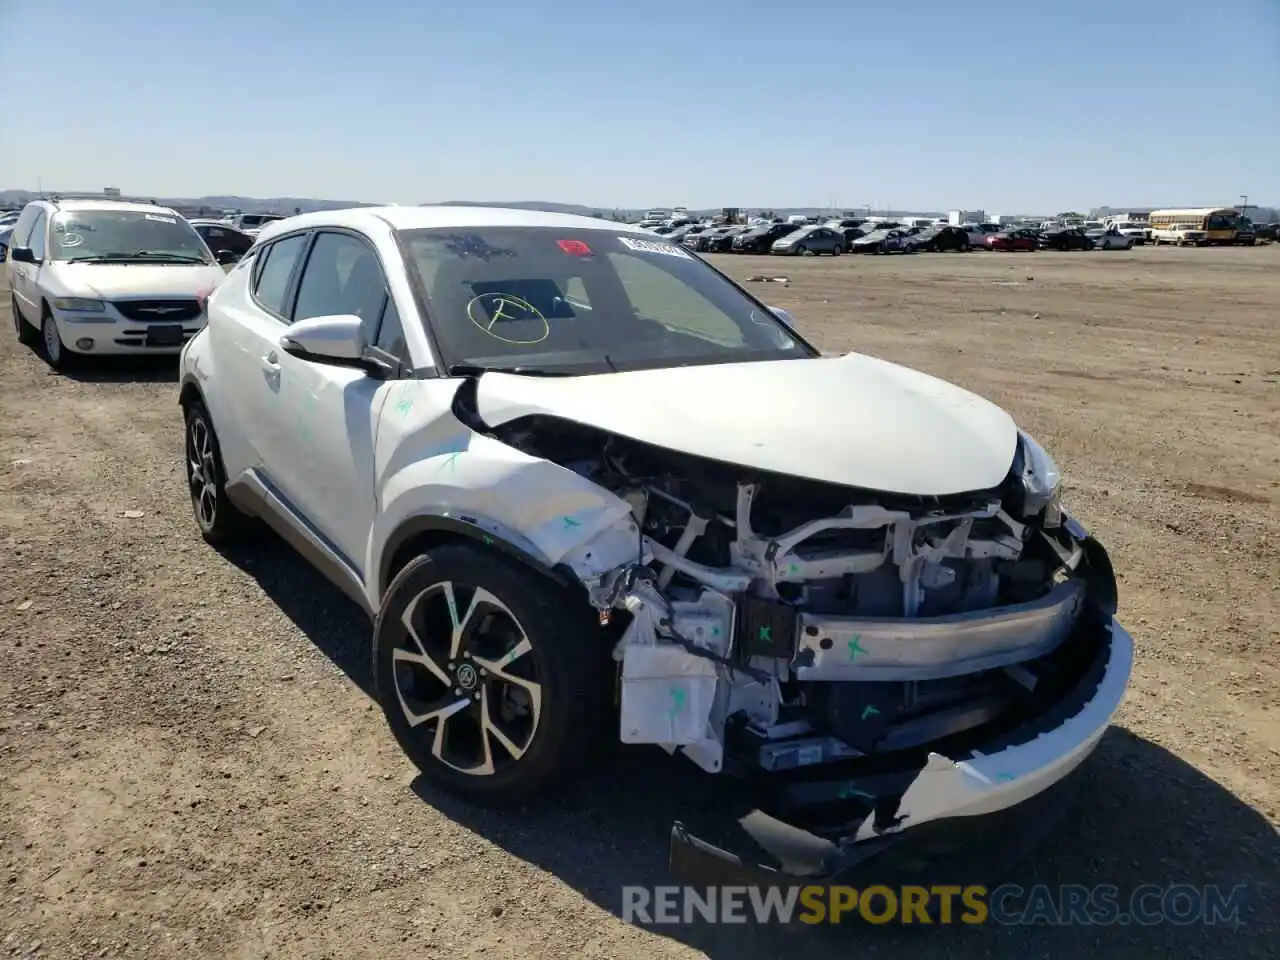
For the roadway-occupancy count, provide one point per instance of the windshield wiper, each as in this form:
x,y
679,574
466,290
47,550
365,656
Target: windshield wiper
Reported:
x,y
142,256
476,369
169,257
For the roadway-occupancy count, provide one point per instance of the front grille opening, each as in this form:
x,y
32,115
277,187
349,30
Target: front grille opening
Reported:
x,y
177,310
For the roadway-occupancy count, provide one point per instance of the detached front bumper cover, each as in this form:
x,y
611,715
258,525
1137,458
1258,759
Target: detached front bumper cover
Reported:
x,y
947,794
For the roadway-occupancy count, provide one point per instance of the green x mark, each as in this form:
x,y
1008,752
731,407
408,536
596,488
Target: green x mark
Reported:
x,y
765,634
855,647
677,701
1005,777
404,406
869,711
570,522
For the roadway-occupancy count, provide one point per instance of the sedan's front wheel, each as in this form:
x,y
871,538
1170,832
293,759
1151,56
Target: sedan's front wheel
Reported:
x,y
55,354
493,681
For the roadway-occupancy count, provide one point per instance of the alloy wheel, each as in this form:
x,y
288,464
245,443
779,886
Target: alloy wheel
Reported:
x,y
202,472
466,672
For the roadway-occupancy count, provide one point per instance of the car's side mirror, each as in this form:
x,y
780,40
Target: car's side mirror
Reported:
x,y
337,339
23,255
226,256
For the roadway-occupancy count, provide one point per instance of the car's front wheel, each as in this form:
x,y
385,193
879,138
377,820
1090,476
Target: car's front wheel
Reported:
x,y
493,681
55,354
28,335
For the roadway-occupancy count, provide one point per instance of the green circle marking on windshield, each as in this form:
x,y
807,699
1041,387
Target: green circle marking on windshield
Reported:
x,y
490,309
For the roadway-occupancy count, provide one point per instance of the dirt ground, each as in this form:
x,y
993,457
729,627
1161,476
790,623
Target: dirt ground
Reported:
x,y
191,766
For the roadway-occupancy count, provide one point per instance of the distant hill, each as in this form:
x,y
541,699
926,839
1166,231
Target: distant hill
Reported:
x,y
17,198
548,206
10,199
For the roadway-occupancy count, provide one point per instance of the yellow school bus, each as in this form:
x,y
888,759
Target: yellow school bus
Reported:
x,y
1218,223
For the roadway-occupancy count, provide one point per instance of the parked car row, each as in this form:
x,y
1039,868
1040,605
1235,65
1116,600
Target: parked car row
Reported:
x,y
880,237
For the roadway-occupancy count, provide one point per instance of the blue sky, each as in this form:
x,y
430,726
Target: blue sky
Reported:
x,y
1010,107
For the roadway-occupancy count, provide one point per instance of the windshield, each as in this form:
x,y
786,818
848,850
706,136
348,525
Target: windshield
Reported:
x,y
1222,222
560,300
125,235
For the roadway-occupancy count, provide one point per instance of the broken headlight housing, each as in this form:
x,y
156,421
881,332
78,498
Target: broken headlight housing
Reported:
x,y
1041,480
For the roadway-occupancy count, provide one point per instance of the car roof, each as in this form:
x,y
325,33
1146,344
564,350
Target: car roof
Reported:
x,y
444,216
121,205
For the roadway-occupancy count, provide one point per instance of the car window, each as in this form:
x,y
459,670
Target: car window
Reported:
x,y
123,235
275,267
22,229
658,295
391,333
578,300
342,276
220,238
37,239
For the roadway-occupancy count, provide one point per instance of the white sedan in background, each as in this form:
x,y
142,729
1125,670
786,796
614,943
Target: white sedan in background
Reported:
x,y
550,459
1110,238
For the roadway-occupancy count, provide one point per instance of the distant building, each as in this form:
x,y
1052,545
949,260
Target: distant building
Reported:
x,y
958,217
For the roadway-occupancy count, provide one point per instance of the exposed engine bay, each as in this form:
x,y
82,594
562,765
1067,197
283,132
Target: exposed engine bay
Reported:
x,y
772,623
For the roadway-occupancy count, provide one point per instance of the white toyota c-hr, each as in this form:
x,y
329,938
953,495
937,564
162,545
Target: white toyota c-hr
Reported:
x,y
554,458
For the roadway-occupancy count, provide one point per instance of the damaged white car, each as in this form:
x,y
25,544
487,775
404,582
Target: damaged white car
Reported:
x,y
587,486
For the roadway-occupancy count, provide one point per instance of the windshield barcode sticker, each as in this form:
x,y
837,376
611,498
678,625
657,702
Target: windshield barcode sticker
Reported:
x,y
648,246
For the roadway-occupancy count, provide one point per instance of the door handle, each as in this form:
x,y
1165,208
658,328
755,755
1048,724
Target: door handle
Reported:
x,y
271,363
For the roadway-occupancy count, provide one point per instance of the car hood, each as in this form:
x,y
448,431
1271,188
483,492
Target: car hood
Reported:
x,y
113,281
852,420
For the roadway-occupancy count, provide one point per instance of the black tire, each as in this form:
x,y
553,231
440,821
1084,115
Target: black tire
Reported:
x,y
28,335
568,659
54,351
836,251
219,520
801,250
